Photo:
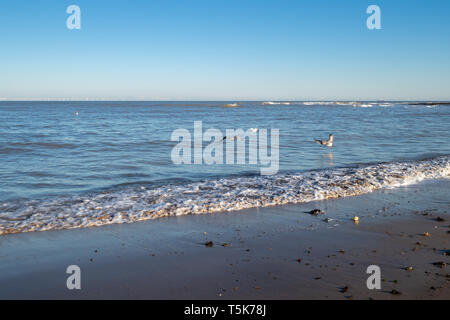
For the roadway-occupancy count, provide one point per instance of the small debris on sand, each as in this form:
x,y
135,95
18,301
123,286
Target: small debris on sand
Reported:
x,y
342,251
209,244
395,292
439,219
440,264
316,212
410,268
344,289
327,220
355,219
426,234
299,260
225,244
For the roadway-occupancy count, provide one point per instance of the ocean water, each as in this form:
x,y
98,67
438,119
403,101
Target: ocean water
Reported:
x,y
83,164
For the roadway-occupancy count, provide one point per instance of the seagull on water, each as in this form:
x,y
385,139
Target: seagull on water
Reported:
x,y
327,143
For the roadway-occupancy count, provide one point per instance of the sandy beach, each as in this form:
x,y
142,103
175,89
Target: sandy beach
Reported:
x,y
271,253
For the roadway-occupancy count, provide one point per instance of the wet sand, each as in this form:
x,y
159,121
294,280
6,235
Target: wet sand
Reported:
x,y
270,253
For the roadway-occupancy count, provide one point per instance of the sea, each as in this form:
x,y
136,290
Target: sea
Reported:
x,y
77,164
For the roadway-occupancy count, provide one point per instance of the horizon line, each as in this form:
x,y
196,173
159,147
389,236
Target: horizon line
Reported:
x,y
230,100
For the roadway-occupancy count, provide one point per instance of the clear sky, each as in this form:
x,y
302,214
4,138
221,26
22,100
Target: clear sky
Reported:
x,y
225,50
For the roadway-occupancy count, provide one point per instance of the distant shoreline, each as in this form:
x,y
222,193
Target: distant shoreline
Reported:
x,y
430,104
410,102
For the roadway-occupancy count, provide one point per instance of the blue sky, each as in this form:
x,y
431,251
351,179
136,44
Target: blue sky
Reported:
x,y
225,50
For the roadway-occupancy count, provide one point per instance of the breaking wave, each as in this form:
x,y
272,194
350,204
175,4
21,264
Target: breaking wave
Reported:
x,y
226,194
333,103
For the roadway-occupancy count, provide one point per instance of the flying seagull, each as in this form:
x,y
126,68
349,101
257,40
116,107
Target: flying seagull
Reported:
x,y
327,143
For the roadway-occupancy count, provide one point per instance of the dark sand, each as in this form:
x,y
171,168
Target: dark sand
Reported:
x,y
167,258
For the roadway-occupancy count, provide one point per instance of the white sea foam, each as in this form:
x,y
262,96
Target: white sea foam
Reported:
x,y
332,103
344,103
227,194
276,103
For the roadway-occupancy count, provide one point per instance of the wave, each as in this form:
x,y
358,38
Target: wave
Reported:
x,y
216,195
333,103
269,103
44,145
